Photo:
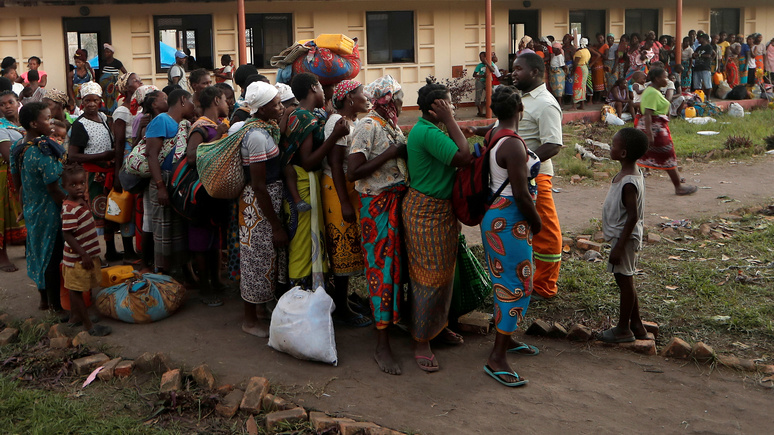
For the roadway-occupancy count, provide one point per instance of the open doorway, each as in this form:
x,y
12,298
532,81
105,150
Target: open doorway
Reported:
x,y
522,22
88,34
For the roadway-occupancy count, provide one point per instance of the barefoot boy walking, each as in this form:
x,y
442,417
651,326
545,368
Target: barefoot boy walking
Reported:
x,y
622,224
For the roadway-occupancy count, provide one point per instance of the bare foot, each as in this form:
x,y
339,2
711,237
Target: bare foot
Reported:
x,y
386,361
684,190
257,330
8,267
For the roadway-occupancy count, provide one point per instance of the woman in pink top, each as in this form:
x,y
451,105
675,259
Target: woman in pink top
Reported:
x,y
33,64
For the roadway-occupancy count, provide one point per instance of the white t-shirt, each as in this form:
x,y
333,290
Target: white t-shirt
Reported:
x,y
345,142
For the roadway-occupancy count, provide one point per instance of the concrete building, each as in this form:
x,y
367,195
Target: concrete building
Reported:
x,y
408,39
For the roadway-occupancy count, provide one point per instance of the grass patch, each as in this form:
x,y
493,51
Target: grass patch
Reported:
x,y
720,291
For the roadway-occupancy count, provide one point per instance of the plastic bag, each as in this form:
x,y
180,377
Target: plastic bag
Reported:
x,y
723,89
701,120
626,116
736,110
301,325
613,120
472,284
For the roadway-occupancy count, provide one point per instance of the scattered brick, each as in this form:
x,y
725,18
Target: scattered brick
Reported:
x,y
383,431
702,352
584,237
645,347
289,416
653,237
735,363
81,339
153,362
60,343
676,348
8,336
123,369
356,428
171,380
766,369
28,323
599,237
108,370
203,377
273,403
579,332
225,389
539,327
575,179
705,229
567,241
256,389
322,422
601,175
475,322
5,320
588,245
57,331
251,426
669,232
230,404
651,327
557,331
86,364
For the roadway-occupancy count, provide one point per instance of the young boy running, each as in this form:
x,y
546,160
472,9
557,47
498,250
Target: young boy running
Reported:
x,y
81,263
622,224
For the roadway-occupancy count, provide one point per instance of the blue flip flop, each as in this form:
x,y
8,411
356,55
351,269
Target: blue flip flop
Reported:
x,y
357,321
524,346
496,377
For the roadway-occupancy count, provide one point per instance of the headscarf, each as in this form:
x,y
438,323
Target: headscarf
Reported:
x,y
57,96
81,55
584,42
343,89
123,81
258,95
139,97
285,92
381,92
611,35
108,47
90,88
525,40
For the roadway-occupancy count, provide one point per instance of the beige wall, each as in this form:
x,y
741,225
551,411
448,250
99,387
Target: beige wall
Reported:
x,y
448,33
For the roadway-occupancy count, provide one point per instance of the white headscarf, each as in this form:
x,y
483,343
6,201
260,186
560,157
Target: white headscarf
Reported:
x,y
285,92
90,88
584,42
258,95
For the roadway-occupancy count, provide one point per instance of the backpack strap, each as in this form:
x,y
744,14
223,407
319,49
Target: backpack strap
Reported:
x,y
501,133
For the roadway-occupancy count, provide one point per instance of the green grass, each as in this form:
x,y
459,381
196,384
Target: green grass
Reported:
x,y
686,295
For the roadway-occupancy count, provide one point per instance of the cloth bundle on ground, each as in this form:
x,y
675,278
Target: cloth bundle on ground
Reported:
x,y
144,299
301,325
472,284
738,93
328,66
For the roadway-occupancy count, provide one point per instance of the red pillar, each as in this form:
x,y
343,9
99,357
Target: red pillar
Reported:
x,y
241,32
679,32
488,42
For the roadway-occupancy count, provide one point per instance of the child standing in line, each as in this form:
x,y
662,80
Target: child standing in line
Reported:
x,y
622,224
224,73
81,264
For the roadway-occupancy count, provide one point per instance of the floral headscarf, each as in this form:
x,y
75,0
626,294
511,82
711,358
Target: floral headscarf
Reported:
x,y
343,89
57,96
139,97
90,88
381,92
123,81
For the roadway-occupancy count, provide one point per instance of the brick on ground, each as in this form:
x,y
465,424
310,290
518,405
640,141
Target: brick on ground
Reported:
x,y
599,237
651,327
356,428
588,245
8,336
321,422
171,380
557,331
256,389
57,331
203,377
60,343
676,348
293,415
273,403
645,347
653,237
81,339
86,364
579,332
225,389
230,404
124,369
5,320
475,322
539,327
702,352
383,431
766,369
108,370
153,362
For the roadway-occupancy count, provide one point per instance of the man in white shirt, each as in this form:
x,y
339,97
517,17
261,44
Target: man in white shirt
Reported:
x,y
176,74
541,129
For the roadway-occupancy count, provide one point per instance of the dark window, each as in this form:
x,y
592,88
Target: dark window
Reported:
x,y
178,32
390,37
588,23
641,21
725,20
267,36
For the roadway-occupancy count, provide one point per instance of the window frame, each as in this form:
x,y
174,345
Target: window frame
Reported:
x,y
206,39
720,11
414,50
262,18
643,31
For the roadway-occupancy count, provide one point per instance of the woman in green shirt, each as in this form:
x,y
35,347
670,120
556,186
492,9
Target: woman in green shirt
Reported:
x,y
431,228
655,123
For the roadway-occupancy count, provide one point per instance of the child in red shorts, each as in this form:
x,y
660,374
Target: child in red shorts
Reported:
x,y
81,265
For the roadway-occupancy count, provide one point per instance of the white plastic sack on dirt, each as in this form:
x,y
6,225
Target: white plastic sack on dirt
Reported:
x,y
613,120
301,325
701,120
736,110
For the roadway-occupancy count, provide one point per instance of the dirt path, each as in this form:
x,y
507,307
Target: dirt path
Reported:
x,y
585,389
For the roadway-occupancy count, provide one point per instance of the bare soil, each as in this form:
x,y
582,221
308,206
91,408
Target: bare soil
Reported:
x,y
582,388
